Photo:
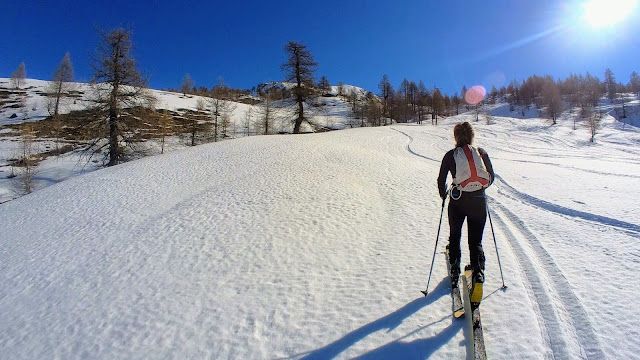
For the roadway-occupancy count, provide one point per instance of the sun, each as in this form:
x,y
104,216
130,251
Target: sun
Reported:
x,y
605,13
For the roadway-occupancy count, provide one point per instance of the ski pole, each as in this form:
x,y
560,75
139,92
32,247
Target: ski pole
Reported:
x,y
496,246
434,250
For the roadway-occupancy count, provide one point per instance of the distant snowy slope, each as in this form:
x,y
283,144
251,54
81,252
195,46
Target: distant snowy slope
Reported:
x,y
36,101
326,113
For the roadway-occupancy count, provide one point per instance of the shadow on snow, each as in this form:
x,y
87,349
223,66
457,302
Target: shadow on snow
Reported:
x,y
419,348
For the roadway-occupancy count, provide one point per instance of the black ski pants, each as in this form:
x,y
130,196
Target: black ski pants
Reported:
x,y
473,207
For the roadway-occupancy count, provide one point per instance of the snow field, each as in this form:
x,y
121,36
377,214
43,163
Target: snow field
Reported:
x,y
316,246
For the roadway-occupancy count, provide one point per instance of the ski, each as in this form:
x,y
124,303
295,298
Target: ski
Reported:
x,y
457,307
475,345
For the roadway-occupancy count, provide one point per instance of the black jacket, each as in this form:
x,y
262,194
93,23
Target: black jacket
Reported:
x,y
448,165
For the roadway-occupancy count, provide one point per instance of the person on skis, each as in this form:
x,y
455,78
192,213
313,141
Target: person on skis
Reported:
x,y
472,172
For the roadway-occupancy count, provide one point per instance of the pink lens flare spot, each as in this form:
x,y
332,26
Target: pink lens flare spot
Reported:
x,y
475,94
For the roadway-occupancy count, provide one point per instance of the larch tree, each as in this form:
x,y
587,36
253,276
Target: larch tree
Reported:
x,y
324,84
386,93
552,98
118,85
299,69
265,114
610,82
19,76
60,85
438,105
221,110
634,83
187,85
27,161
456,102
248,120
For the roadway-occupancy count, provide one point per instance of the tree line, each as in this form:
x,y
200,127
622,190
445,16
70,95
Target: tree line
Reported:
x,y
119,89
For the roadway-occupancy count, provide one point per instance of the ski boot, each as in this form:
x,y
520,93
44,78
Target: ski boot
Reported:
x,y
455,274
477,280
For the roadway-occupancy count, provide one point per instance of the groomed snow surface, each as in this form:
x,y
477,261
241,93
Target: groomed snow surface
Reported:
x,y
317,246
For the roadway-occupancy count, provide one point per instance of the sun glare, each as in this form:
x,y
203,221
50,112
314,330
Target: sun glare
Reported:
x,y
604,13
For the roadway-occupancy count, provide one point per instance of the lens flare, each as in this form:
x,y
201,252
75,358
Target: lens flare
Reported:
x,y
475,94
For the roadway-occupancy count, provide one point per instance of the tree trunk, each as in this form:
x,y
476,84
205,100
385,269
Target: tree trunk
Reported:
x,y
58,95
296,128
113,138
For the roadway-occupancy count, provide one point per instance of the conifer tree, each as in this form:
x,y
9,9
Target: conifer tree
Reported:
x,y
18,76
60,85
118,85
299,69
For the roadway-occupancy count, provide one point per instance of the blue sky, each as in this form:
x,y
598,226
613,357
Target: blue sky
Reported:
x,y
446,44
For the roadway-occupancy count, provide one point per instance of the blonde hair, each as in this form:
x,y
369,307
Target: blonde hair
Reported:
x,y
463,134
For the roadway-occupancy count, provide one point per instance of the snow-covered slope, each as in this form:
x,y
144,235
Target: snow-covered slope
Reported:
x,y
316,246
328,113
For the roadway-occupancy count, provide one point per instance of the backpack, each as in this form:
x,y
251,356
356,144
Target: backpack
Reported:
x,y
471,174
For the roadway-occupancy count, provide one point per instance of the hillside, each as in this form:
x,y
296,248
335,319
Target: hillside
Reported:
x,y
60,150
316,246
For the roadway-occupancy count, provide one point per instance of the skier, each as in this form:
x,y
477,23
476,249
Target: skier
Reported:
x,y
472,172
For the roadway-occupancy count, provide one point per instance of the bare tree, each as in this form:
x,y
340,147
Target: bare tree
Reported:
x,y
118,85
324,84
299,69
187,85
18,76
27,162
195,119
552,98
60,85
437,105
221,112
386,93
634,83
456,102
165,124
373,111
266,114
248,120
357,109
610,82
593,120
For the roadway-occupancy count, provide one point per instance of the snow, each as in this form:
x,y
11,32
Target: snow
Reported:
x,y
334,114
315,246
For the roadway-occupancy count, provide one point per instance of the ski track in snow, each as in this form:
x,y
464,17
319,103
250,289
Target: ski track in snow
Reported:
x,y
546,205
590,171
584,331
622,225
253,249
409,146
550,317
